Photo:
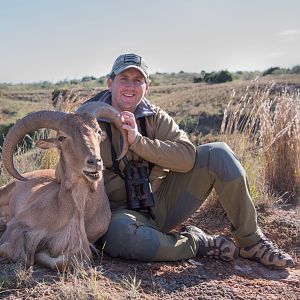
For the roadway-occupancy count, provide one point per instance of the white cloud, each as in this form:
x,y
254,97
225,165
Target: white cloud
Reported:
x,y
275,54
289,32
289,36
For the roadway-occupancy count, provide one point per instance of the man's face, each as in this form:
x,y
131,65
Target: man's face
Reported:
x,y
127,89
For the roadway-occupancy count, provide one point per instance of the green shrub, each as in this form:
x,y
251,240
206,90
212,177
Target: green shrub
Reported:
x,y
101,80
296,70
189,124
223,76
270,71
58,95
214,77
3,131
46,84
88,78
29,139
75,81
197,79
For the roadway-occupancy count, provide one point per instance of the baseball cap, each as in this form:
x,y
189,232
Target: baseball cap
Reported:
x,y
126,61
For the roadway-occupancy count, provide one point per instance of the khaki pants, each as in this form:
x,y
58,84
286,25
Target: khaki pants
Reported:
x,y
134,235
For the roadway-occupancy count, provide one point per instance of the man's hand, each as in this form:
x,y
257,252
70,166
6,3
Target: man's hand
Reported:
x,y
129,124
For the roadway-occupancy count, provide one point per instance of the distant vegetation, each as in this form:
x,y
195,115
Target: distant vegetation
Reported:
x,y
214,77
277,71
197,102
157,79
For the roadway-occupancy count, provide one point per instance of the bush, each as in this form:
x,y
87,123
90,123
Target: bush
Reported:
x,y
3,131
222,76
214,77
101,80
189,124
296,70
88,78
46,85
270,71
197,79
56,94
75,81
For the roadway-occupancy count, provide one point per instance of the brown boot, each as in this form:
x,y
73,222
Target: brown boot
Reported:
x,y
267,254
215,246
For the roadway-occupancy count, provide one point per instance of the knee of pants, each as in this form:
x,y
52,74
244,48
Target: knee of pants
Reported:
x,y
219,159
130,239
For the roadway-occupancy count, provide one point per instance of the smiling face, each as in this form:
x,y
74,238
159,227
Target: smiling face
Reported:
x,y
127,89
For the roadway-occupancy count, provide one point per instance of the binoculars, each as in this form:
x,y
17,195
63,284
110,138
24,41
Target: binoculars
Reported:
x,y
138,188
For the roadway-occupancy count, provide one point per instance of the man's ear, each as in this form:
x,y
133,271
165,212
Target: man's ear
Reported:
x,y
147,88
47,143
109,83
103,135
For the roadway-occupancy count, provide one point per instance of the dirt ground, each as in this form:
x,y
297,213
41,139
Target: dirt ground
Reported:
x,y
193,279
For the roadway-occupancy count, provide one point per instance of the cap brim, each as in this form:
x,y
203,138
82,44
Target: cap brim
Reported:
x,y
120,70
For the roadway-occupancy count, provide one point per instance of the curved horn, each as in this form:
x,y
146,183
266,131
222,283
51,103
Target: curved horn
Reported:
x,y
31,122
104,110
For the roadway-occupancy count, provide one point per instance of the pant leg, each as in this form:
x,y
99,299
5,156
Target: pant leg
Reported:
x,y
216,167
133,235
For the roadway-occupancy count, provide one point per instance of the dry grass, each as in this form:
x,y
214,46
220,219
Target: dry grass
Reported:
x,y
13,109
263,129
26,160
68,100
132,285
82,281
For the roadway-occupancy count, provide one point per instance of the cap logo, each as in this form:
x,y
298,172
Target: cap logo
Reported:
x,y
132,58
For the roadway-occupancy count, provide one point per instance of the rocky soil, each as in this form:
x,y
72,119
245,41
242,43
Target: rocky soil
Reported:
x,y
193,279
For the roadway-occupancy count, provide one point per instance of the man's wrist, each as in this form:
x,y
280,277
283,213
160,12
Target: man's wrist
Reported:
x,y
136,141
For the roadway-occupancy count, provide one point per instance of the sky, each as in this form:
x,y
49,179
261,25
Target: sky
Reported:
x,y
53,40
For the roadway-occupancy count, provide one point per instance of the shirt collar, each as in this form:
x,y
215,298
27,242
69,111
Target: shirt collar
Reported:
x,y
144,109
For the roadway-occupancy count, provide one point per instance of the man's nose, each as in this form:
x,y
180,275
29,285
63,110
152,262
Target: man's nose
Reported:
x,y
130,84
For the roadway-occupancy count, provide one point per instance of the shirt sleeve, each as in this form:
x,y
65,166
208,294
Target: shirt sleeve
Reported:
x,y
170,147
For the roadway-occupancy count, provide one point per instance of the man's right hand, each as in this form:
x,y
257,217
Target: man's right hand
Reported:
x,y
130,125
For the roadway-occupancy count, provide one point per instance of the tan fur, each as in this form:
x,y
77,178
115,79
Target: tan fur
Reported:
x,y
53,223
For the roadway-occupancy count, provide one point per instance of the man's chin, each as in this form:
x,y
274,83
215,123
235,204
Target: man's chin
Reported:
x,y
130,108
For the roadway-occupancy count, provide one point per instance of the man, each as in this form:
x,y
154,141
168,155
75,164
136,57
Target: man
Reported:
x,y
181,178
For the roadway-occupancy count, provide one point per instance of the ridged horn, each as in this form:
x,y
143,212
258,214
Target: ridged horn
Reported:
x,y
104,110
31,122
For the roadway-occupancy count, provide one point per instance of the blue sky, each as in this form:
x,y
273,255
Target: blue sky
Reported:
x,y
65,39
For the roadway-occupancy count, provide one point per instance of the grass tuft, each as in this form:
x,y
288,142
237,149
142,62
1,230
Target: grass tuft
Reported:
x,y
132,285
263,129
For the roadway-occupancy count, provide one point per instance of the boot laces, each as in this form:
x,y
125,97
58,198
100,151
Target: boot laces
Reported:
x,y
270,246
